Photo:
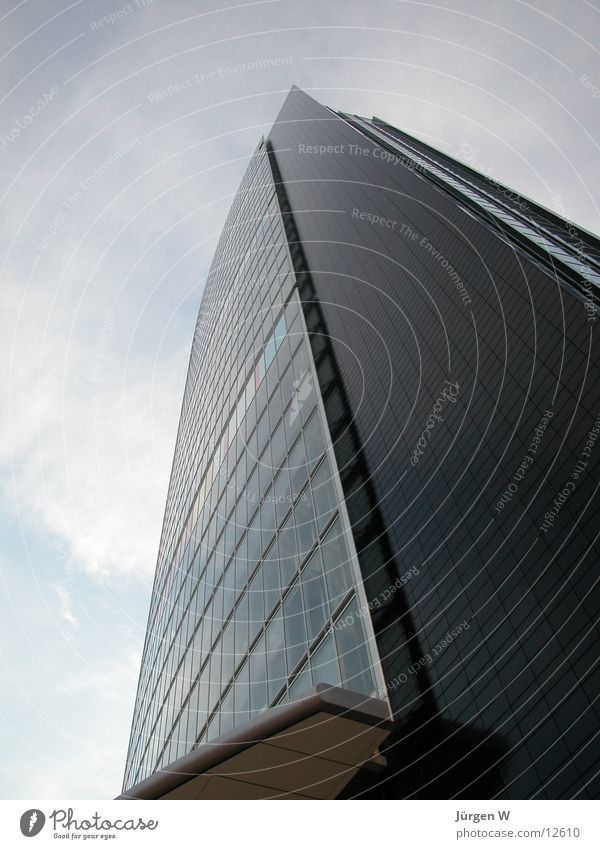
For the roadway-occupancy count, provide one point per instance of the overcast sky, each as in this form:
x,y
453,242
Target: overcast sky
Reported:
x,y
123,141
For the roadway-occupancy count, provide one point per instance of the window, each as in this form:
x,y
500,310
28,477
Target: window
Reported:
x,y
295,627
275,656
314,440
298,466
258,678
266,471
254,537
180,740
354,657
207,628
336,564
269,352
241,566
229,593
301,362
200,702
228,657
226,711
278,446
212,732
262,432
324,663
215,676
304,517
242,695
288,551
282,493
252,494
256,608
324,494
217,606
275,406
314,594
268,521
302,682
241,628
272,584
279,332
286,385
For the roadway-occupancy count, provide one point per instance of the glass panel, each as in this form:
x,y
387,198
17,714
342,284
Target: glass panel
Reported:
x,y
210,576
275,407
302,683
354,657
275,656
324,494
324,663
218,609
226,711
215,676
187,670
229,593
241,516
265,470
262,432
260,369
286,387
258,678
272,583
305,395
202,701
314,594
304,517
232,427
207,633
242,695
254,537
288,551
314,440
251,494
228,659
251,446
282,491
279,332
337,568
212,732
295,628
268,521
180,735
241,566
278,447
301,362
241,628
248,392
269,352
256,609
298,465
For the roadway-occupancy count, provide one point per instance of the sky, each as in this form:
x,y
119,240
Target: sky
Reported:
x,y
125,129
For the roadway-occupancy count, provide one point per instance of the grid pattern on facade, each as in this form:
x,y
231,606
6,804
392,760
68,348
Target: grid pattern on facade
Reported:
x,y
256,563
439,296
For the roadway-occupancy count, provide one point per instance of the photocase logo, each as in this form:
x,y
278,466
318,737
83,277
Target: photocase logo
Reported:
x,y
32,822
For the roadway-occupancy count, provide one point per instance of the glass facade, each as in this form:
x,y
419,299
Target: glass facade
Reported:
x,y
461,327
386,470
256,562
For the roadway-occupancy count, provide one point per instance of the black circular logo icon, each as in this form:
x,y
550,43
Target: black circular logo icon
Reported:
x,y
32,822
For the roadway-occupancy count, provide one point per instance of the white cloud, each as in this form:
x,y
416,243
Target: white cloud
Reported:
x,y
66,605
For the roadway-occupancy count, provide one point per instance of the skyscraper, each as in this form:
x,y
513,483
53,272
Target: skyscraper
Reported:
x,y
384,481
